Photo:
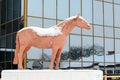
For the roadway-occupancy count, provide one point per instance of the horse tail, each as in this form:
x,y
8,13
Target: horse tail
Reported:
x,y
15,61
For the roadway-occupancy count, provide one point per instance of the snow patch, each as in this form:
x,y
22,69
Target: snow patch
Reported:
x,y
52,31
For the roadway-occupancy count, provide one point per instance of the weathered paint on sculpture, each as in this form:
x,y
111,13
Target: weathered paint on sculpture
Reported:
x,y
27,37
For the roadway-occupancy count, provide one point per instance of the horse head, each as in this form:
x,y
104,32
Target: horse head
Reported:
x,y
81,22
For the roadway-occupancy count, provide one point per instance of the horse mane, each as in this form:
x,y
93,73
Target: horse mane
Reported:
x,y
66,22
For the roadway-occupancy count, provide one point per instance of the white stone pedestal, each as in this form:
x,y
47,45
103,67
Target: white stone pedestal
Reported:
x,y
52,75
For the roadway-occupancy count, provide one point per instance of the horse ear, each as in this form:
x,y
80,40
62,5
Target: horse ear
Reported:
x,y
78,15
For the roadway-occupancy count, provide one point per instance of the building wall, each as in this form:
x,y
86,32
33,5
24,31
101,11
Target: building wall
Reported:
x,y
88,47
10,23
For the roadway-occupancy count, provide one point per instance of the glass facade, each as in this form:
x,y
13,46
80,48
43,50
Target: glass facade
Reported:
x,y
10,23
97,48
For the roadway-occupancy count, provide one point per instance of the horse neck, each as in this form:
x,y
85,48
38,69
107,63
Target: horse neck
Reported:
x,y
67,28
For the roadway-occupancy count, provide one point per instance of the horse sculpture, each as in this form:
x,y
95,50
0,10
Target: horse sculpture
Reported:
x,y
53,37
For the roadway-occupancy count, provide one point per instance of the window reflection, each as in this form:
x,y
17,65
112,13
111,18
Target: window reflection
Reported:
x,y
9,10
64,65
108,12
117,33
49,23
63,5
34,53
50,8
109,50
75,65
32,21
98,30
117,50
108,32
47,54
87,47
75,7
87,10
116,15
98,49
35,10
15,8
98,12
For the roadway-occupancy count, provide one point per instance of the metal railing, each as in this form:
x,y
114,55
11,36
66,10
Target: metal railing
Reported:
x,y
113,77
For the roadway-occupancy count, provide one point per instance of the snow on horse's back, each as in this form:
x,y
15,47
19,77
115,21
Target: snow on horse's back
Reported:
x,y
52,31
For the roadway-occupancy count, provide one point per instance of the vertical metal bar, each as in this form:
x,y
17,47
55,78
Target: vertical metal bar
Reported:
x,y
25,25
105,77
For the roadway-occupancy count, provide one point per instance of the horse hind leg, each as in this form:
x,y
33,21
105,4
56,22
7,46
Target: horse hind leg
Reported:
x,y
25,51
20,57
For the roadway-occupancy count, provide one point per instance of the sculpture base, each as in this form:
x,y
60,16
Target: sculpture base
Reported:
x,y
52,75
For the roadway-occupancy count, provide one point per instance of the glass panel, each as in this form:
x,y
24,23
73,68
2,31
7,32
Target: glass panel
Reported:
x,y
9,10
75,7
2,55
108,32
117,33
2,30
30,64
117,50
2,42
109,50
87,65
37,64
64,65
15,25
98,49
15,8
63,5
22,7
98,30
13,40
50,8
9,28
3,11
108,14
35,10
47,54
49,23
87,47
32,21
46,65
65,52
34,53
75,47
9,41
8,65
117,1
87,10
75,65
98,12
75,41
87,32
108,0
8,55
116,15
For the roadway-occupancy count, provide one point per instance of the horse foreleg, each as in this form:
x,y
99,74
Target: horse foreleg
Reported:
x,y
54,52
58,55
20,57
